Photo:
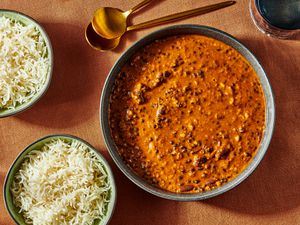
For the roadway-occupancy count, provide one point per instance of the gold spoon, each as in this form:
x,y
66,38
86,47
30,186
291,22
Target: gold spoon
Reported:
x,y
112,22
102,44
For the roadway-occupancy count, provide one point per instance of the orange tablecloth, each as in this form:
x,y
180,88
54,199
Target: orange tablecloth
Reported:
x,y
71,105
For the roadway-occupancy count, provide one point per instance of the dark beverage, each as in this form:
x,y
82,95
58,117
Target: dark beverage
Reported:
x,y
284,14
279,18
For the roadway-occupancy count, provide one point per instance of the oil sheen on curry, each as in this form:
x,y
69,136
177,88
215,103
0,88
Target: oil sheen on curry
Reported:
x,y
187,113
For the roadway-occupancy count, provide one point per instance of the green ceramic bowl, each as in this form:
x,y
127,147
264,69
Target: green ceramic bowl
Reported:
x,y
8,198
17,16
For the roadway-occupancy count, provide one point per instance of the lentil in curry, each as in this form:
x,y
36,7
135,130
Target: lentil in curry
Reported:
x,y
187,113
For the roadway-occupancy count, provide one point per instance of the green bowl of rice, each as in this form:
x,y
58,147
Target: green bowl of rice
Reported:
x,y
26,62
60,179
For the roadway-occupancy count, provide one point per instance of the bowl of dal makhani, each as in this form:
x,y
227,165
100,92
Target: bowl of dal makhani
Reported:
x,y
187,112
60,179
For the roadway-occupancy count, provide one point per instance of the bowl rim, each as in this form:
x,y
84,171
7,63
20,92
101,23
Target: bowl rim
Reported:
x,y
21,108
112,204
213,33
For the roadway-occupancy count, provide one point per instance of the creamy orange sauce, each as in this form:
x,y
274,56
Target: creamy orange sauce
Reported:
x,y
187,113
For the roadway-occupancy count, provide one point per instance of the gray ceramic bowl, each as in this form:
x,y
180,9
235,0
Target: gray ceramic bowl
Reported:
x,y
177,30
17,16
13,211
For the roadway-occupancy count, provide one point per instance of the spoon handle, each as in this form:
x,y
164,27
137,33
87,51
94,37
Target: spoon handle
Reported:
x,y
140,5
181,15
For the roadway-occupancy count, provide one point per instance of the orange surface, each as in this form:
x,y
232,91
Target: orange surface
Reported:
x,y
71,105
191,122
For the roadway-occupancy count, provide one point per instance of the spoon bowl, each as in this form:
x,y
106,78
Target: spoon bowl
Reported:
x,y
99,43
110,22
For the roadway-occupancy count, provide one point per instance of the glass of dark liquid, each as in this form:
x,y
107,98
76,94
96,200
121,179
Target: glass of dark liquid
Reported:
x,y
277,18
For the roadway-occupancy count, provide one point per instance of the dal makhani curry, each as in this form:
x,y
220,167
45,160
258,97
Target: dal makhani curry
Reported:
x,y
187,113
